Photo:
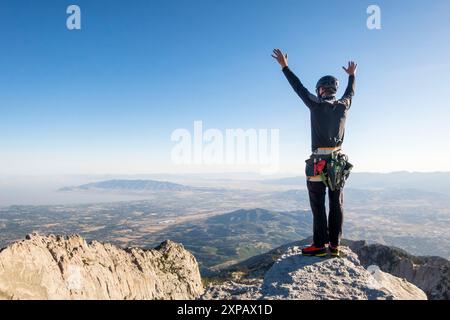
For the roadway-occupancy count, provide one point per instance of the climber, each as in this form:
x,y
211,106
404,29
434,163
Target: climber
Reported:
x,y
328,167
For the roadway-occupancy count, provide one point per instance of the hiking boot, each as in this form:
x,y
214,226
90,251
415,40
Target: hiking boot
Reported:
x,y
313,251
334,250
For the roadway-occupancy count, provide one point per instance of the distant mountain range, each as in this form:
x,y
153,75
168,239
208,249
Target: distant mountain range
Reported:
x,y
430,181
381,196
130,185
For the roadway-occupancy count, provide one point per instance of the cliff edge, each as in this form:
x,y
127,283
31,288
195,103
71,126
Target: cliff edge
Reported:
x,y
57,267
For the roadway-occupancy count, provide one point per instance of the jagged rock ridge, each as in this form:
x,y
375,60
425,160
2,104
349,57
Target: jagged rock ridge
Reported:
x,y
431,274
56,267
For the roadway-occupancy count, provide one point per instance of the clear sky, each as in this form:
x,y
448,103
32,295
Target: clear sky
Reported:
x,y
106,98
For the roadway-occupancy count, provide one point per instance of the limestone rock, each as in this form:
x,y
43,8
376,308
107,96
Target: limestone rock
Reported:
x,y
431,274
56,267
296,277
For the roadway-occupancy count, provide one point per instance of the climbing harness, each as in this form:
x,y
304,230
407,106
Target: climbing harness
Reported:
x,y
332,167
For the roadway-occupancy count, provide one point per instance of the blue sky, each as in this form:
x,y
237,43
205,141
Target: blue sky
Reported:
x,y
105,99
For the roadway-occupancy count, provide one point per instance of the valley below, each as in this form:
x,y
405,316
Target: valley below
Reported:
x,y
221,226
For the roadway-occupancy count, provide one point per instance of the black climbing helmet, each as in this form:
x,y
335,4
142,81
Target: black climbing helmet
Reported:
x,y
329,82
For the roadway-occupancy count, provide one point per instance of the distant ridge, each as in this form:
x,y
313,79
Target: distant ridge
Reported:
x,y
427,181
130,185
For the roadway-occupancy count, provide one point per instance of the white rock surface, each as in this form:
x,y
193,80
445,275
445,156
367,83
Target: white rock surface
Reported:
x,y
400,288
56,267
297,277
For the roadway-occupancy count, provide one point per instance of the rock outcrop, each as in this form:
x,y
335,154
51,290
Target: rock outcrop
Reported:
x,y
294,276
56,267
431,274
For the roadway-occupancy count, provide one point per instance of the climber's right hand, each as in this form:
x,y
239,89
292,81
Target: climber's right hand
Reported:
x,y
281,58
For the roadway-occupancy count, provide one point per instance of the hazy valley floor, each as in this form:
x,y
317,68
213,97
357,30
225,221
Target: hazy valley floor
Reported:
x,y
223,225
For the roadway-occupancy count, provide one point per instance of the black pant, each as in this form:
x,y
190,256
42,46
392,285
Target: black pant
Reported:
x,y
332,231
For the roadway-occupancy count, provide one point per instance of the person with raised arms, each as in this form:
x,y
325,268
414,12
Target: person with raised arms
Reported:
x,y
327,168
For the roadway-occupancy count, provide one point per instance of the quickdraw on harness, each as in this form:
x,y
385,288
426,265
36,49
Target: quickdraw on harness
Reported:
x,y
334,169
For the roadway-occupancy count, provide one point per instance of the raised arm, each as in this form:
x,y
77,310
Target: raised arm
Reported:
x,y
309,99
350,91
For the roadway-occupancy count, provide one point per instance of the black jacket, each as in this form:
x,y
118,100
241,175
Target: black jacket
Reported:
x,y
327,116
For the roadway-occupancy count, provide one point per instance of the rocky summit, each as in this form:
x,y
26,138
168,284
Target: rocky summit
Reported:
x,y
296,277
57,267
69,268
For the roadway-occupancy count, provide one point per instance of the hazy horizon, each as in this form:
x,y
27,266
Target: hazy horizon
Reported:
x,y
43,189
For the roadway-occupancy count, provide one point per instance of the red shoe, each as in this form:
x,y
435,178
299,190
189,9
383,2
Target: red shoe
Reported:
x,y
334,251
313,251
